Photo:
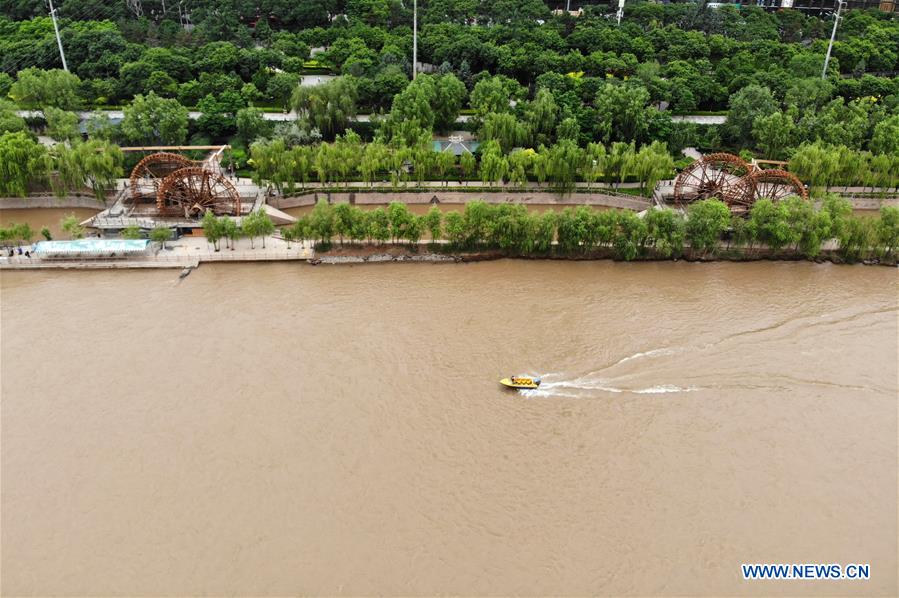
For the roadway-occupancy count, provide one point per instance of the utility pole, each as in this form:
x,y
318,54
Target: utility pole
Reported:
x,y
62,54
414,38
620,12
833,36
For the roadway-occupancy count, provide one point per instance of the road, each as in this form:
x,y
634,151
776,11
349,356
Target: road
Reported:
x,y
700,119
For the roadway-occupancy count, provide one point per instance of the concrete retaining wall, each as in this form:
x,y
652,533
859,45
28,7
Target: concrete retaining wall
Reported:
x,y
50,201
461,198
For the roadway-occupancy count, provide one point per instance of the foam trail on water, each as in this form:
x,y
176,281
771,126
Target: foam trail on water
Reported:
x,y
664,388
578,388
651,353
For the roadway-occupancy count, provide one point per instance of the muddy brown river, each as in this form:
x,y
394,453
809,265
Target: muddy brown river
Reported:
x,y
285,429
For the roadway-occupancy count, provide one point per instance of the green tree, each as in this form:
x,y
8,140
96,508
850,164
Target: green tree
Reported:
x,y
467,166
23,163
95,163
564,160
885,139
151,120
251,125
450,92
665,232
230,231
39,88
344,220
378,225
328,106
745,106
650,165
520,162
594,162
490,94
888,229
855,238
400,219
504,128
131,232
321,222
161,234
212,229
493,163
72,227
10,122
774,133
816,163
769,223
629,235
810,227
61,125
618,161
541,117
621,112
706,222
218,113
264,225
446,161
432,222
454,225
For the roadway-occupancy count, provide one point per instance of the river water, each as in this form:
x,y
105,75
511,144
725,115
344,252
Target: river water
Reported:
x,y
287,429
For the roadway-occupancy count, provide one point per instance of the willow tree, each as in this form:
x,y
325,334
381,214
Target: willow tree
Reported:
x,y
520,165
665,231
95,163
348,150
505,129
617,161
564,162
541,116
493,163
23,162
650,164
594,162
299,165
372,160
468,166
888,229
445,162
271,163
328,106
816,163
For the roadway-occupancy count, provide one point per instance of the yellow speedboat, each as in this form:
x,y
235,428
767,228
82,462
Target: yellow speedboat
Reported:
x,y
520,382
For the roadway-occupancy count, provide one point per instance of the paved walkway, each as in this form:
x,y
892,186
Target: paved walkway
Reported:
x,y
187,252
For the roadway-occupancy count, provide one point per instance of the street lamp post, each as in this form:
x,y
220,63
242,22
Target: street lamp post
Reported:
x,y
62,54
833,35
414,38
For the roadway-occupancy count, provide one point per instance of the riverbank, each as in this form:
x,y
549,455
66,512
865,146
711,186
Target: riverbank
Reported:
x,y
376,254
192,257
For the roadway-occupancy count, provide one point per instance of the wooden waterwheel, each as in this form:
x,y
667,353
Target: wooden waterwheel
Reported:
x,y
150,171
190,191
711,176
763,184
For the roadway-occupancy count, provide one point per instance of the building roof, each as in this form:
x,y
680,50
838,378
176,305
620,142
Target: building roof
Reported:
x,y
91,247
